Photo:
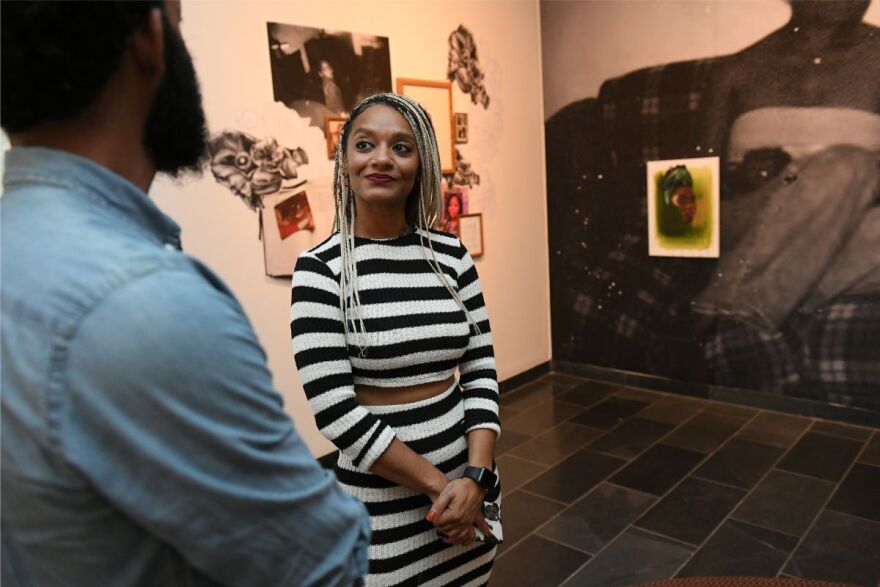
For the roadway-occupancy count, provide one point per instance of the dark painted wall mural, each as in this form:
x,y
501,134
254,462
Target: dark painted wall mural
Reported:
x,y
792,306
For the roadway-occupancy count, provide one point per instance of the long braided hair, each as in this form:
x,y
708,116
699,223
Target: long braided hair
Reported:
x,y
424,204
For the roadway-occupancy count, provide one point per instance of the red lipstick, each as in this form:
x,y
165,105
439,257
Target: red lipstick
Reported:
x,y
380,178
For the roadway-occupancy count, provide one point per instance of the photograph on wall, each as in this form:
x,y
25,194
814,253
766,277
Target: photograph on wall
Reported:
x,y
455,204
321,73
795,123
294,214
286,228
332,128
683,207
461,127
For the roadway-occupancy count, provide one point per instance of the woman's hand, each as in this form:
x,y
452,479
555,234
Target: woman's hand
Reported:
x,y
457,509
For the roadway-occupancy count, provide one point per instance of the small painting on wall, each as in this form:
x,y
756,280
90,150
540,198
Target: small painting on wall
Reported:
x,y
455,204
332,128
461,127
683,207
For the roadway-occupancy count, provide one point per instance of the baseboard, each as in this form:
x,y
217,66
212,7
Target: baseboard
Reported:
x,y
526,376
733,395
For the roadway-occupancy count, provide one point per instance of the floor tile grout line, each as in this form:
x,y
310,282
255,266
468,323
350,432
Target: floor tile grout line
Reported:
x,y
745,496
664,536
657,501
553,540
824,507
862,518
711,453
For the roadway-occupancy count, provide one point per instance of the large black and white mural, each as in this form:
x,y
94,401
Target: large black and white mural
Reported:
x,y
787,96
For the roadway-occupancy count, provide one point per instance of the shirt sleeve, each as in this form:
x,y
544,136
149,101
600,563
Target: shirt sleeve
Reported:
x,y
322,359
478,378
172,416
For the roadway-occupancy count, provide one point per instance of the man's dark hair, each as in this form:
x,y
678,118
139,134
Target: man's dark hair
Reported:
x,y
57,56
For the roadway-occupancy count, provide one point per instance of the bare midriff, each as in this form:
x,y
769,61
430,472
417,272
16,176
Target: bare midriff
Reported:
x,y
372,395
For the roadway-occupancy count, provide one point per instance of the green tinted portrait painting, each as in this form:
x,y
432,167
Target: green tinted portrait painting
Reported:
x,y
683,207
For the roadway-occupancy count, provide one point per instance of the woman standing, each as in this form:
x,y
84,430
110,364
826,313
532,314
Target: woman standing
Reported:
x,y
384,311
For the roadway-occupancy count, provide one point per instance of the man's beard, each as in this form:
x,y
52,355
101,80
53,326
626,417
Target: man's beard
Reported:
x,y
175,135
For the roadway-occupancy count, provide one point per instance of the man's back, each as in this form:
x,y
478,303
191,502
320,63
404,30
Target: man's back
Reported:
x,y
142,441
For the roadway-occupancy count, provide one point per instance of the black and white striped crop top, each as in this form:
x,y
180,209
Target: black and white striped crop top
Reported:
x,y
415,333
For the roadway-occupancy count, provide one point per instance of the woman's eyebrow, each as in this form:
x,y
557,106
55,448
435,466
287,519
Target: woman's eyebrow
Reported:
x,y
402,135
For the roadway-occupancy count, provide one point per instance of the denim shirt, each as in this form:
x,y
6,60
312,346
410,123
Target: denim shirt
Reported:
x,y
142,440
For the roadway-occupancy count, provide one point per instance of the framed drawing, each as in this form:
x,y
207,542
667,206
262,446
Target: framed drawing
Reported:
x,y
683,203
286,228
436,98
332,128
461,127
470,231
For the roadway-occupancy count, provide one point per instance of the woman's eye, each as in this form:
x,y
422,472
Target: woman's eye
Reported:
x,y
361,145
401,148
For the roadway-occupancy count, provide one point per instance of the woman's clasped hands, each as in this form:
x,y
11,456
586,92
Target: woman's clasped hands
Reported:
x,y
458,511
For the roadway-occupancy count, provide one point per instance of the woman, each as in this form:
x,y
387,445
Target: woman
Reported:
x,y
452,214
384,311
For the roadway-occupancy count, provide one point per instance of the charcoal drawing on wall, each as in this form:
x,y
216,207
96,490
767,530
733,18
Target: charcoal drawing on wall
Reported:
x,y
322,73
792,306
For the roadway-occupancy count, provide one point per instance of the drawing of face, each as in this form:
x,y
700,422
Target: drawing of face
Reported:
x,y
686,201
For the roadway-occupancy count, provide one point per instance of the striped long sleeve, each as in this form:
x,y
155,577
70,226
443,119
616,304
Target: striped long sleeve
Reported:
x,y
478,378
324,366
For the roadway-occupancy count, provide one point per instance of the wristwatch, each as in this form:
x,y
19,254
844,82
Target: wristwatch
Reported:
x,y
484,477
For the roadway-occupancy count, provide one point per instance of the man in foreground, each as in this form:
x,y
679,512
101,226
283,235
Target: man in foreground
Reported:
x,y
142,440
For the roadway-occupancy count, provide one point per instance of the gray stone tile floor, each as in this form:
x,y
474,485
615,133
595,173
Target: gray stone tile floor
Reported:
x,y
609,485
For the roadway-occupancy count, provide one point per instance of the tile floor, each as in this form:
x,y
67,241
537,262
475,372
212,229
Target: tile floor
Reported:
x,y
607,485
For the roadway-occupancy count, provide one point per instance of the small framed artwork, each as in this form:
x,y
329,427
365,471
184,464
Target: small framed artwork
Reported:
x,y
436,98
461,127
332,128
683,207
286,228
470,227
455,203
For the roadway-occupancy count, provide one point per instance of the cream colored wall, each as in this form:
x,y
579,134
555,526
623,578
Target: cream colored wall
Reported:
x,y
228,41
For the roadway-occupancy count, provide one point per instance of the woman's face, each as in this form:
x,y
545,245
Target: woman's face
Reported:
x,y
686,201
453,207
382,159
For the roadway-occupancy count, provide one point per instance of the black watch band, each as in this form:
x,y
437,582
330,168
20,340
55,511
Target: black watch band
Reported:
x,y
484,477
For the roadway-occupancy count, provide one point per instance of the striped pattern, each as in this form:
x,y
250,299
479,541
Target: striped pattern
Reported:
x,y
405,548
416,333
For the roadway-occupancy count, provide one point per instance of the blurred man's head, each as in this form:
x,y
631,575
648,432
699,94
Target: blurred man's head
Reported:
x,y
57,58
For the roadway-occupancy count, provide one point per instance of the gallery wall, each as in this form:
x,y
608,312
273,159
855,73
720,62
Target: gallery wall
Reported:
x,y
228,42
792,305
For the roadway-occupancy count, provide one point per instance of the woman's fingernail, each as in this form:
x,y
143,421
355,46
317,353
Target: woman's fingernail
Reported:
x,y
431,515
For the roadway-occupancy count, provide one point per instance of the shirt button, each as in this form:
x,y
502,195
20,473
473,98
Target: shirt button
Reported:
x,y
170,247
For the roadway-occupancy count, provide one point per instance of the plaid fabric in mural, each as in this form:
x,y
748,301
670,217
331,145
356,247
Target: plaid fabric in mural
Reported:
x,y
841,354
613,305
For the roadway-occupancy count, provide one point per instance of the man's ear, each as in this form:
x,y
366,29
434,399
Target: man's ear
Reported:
x,y
148,44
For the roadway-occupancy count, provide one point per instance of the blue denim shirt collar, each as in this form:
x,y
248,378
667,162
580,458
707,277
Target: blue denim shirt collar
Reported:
x,y
40,165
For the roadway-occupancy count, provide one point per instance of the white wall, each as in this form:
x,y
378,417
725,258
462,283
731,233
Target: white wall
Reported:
x,y
229,45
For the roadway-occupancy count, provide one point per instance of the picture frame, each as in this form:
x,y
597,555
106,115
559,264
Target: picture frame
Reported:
x,y
471,233
461,127
332,128
436,98
684,207
287,226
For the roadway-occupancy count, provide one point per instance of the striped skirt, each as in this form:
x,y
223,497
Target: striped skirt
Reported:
x,y
405,549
